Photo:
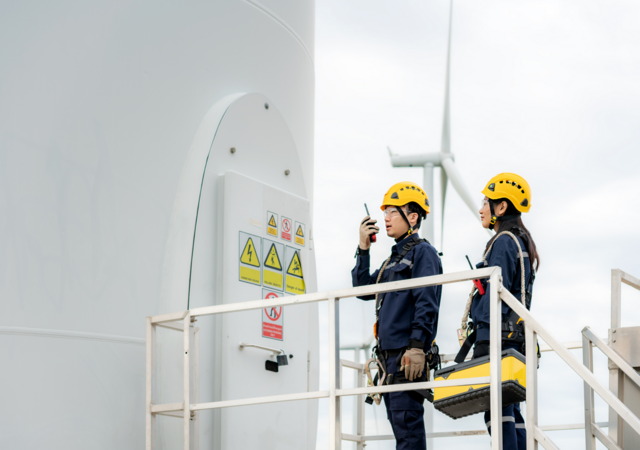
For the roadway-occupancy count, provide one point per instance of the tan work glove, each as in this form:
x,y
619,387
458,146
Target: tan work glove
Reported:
x,y
413,363
367,228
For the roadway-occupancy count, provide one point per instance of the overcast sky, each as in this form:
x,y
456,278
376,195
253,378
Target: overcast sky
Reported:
x,y
545,89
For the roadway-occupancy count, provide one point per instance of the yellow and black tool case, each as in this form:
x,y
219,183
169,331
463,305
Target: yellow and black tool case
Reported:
x,y
461,401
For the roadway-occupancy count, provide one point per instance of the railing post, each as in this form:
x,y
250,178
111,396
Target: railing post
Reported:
x,y
186,335
589,416
335,430
195,387
616,298
150,438
531,350
615,378
360,405
495,352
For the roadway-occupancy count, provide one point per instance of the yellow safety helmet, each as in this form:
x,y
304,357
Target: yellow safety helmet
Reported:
x,y
405,192
512,187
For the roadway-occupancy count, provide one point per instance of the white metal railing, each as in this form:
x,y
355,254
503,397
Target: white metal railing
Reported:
x,y
360,438
188,407
592,429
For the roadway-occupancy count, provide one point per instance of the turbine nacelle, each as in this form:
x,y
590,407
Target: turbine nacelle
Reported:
x,y
419,159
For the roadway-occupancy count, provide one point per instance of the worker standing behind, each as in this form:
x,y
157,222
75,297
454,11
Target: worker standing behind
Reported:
x,y
507,196
407,320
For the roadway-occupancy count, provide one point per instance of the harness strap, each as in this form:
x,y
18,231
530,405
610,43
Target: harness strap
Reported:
x,y
467,309
466,346
510,326
416,394
379,304
415,240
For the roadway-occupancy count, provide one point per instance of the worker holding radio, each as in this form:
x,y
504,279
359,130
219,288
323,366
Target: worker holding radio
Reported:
x,y
406,321
507,196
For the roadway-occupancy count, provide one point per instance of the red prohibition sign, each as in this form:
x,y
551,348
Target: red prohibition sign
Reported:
x,y
286,225
276,310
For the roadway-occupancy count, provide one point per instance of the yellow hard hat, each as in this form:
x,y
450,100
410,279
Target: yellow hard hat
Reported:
x,y
512,187
405,192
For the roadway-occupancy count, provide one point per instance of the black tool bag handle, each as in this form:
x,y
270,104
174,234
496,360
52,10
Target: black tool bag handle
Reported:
x,y
466,346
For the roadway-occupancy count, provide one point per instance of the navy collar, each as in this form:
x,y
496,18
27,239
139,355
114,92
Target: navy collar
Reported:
x,y
398,247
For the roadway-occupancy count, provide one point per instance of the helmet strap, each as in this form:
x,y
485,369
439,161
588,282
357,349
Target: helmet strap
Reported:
x,y
494,219
410,232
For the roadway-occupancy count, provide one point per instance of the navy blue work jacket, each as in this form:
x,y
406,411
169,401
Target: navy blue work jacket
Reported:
x,y
504,254
410,314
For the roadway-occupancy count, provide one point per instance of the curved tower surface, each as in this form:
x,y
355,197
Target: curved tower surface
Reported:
x,y
121,197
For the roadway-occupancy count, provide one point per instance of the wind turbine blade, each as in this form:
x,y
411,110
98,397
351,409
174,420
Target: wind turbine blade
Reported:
x,y
445,143
443,195
456,180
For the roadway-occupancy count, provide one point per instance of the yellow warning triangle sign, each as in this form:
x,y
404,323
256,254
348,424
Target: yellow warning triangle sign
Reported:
x,y
299,232
273,261
295,268
249,255
272,222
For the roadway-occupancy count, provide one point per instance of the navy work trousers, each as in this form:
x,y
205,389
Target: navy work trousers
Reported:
x,y
406,415
514,434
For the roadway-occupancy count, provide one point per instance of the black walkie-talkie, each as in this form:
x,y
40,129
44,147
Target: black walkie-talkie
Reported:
x,y
371,236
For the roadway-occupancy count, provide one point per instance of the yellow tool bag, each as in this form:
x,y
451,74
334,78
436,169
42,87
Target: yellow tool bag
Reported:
x,y
462,401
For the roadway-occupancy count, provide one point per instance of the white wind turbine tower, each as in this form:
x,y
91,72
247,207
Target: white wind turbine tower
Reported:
x,y
443,159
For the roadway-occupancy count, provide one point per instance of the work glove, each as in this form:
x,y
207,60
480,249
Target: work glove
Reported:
x,y
367,228
413,363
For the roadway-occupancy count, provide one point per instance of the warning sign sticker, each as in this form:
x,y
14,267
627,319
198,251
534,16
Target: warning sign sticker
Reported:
x,y
250,247
287,225
272,271
272,321
294,277
300,233
272,223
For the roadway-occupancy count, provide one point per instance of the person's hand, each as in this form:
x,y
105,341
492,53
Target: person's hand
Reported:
x,y
367,228
413,363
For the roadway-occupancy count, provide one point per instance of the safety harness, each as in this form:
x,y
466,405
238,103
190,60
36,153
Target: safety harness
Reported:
x,y
378,356
406,248
512,326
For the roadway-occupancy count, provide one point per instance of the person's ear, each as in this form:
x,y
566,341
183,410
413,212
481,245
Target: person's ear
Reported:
x,y
502,208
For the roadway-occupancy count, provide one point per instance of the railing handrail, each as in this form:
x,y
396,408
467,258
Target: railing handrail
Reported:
x,y
628,279
625,413
359,291
443,434
617,278
449,357
612,355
